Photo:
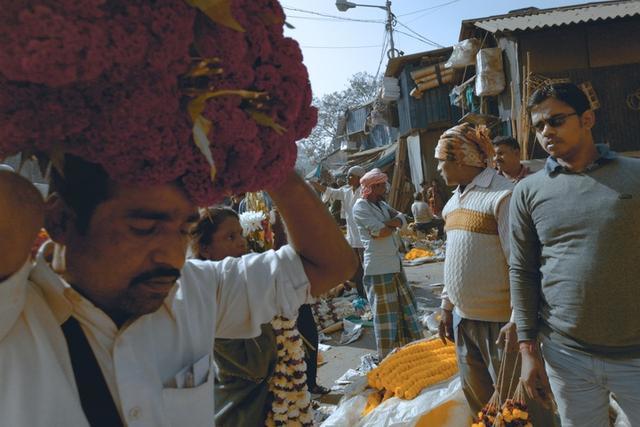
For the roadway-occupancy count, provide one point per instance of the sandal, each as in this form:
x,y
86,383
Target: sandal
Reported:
x,y
318,389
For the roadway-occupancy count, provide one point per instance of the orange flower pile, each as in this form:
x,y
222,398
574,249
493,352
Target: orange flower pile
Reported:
x,y
409,370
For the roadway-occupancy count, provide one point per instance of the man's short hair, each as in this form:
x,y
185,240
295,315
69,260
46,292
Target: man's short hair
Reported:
x,y
82,185
356,171
506,140
568,93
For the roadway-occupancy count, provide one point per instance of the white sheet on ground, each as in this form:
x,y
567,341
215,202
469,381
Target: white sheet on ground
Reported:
x,y
446,396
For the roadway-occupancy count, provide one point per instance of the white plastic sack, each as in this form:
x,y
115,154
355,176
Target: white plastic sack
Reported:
x,y
347,414
490,75
446,396
489,60
464,53
490,84
390,89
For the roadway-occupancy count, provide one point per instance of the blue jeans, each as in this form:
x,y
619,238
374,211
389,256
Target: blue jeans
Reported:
x,y
582,384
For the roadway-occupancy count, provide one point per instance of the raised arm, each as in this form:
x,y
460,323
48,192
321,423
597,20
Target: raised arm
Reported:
x,y
326,255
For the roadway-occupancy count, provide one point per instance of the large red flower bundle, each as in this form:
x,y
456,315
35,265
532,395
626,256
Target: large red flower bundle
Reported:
x,y
110,81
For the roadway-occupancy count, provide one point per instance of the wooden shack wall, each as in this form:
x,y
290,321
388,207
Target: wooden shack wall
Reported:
x,y
432,110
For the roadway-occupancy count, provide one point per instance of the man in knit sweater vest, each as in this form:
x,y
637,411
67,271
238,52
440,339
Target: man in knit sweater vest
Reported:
x,y
476,300
575,239
476,309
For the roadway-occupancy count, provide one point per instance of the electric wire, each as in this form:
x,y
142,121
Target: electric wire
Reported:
x,y
385,43
341,47
311,12
416,38
313,18
420,35
437,6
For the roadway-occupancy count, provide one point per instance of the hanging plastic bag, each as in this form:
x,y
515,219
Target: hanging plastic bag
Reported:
x,y
464,53
490,75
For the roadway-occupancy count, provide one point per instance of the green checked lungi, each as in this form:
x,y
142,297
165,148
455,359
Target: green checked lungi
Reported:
x,y
395,322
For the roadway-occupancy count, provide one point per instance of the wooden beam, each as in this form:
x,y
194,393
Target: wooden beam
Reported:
x,y
398,173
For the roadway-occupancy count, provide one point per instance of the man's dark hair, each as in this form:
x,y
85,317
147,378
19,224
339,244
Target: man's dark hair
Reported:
x,y
82,185
506,140
568,93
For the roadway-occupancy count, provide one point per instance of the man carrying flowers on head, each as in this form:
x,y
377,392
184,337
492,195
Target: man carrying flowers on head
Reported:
x,y
392,302
145,111
476,307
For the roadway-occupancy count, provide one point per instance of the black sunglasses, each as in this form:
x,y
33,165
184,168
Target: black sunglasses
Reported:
x,y
553,121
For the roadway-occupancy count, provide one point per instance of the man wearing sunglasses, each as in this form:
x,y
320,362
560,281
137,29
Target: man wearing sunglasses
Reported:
x,y
574,267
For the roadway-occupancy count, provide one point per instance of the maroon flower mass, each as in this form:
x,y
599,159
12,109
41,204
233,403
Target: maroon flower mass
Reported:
x,y
103,79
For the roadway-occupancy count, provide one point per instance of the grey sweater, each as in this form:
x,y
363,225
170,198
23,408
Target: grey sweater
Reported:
x,y
575,256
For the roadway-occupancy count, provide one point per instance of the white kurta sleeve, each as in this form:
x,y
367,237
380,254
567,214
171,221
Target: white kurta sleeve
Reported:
x,y
253,289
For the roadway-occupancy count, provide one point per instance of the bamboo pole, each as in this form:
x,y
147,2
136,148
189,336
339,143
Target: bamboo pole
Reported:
x,y
523,104
514,130
398,172
527,122
431,69
417,91
431,77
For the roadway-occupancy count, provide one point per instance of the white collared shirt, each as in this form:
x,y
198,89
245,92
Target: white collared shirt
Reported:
x,y
141,362
381,255
348,197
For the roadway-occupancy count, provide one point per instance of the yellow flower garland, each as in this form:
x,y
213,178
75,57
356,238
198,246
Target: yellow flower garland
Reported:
x,y
409,370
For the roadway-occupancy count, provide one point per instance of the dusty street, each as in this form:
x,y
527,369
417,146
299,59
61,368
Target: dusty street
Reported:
x,y
339,358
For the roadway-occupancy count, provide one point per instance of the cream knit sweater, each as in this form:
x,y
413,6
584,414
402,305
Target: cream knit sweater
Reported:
x,y
476,271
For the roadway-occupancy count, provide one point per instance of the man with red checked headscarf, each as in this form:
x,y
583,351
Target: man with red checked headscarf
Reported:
x,y
476,307
392,302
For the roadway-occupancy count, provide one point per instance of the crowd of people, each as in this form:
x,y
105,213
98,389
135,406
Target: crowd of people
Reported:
x,y
142,309
522,272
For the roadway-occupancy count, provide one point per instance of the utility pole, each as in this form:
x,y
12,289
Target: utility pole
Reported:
x,y
344,5
391,53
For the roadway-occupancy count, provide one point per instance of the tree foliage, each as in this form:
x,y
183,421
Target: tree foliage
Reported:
x,y
361,89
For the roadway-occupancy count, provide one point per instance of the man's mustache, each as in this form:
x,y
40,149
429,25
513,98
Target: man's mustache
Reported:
x,y
160,272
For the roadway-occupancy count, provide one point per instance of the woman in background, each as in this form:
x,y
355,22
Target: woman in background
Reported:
x,y
244,366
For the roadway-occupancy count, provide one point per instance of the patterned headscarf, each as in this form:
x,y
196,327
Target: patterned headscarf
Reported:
x,y
373,177
466,145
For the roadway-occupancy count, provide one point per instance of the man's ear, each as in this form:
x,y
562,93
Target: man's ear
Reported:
x,y
59,219
588,119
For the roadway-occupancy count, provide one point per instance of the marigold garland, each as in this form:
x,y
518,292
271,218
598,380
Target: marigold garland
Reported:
x,y
291,399
110,81
409,370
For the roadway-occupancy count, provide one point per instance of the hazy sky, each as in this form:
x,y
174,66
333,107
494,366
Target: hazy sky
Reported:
x,y
335,49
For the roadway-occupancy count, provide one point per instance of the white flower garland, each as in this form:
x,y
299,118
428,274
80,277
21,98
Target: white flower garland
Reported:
x,y
327,311
251,221
291,399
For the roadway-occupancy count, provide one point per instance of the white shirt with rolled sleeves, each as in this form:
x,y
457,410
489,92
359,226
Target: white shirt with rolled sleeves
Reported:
x,y
348,197
381,255
142,361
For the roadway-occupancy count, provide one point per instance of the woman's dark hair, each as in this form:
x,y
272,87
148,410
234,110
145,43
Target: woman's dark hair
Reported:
x,y
202,232
568,93
82,185
418,196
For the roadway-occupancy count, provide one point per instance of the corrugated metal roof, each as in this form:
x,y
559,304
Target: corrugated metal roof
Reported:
x,y
395,65
541,18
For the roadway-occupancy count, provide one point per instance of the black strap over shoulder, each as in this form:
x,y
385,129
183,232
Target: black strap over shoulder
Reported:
x,y
95,397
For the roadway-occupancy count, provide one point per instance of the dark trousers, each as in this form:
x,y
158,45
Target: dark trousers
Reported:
x,y
426,227
309,330
359,274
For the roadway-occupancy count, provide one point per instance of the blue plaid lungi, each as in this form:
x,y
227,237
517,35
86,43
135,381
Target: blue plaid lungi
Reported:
x,y
395,320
